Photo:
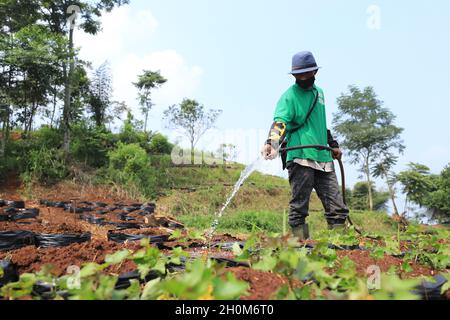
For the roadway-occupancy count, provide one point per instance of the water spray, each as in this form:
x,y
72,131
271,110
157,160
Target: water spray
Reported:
x,y
250,168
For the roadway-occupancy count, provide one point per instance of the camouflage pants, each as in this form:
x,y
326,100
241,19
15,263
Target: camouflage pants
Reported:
x,y
302,180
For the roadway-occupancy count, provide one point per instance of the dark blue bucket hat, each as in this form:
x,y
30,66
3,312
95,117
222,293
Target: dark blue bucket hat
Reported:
x,y
303,62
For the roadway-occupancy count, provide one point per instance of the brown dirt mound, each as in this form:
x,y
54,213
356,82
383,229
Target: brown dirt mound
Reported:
x,y
263,285
31,259
363,260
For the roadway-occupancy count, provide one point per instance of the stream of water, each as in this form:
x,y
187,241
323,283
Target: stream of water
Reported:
x,y
244,175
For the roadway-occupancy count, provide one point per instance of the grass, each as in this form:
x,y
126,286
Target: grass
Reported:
x,y
271,221
258,206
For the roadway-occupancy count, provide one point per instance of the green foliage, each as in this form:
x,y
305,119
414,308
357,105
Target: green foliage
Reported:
x,y
129,167
359,197
46,166
100,93
393,288
367,130
425,189
439,199
90,144
131,133
148,81
417,183
319,273
200,281
159,144
45,136
191,117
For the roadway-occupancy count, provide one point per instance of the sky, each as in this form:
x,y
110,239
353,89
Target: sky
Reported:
x,y
235,56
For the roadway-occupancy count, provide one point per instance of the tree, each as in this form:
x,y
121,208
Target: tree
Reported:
x,y
192,119
56,16
367,130
382,169
148,81
359,197
427,190
439,199
417,183
100,93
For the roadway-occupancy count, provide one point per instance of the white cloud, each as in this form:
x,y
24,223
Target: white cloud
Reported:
x,y
182,79
121,28
125,41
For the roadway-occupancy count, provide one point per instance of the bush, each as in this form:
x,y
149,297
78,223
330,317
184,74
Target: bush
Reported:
x,y
160,144
45,136
90,144
129,166
130,134
46,166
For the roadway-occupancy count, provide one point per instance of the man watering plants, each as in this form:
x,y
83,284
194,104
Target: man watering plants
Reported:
x,y
300,119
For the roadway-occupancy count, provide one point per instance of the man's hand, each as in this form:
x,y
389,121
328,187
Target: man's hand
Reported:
x,y
269,152
337,154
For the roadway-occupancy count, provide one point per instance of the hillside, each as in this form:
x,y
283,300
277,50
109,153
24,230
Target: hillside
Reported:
x,y
196,193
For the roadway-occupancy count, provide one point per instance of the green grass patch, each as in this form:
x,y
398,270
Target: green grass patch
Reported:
x,y
271,221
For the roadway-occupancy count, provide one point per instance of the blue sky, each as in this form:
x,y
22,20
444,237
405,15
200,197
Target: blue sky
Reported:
x,y
235,55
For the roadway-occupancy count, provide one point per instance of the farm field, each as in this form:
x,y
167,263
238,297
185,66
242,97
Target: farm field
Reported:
x,y
115,248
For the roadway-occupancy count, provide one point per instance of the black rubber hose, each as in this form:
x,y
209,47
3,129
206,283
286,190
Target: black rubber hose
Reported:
x,y
341,169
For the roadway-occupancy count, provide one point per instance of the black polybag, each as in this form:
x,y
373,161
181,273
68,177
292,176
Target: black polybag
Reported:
x,y
25,214
122,237
60,240
123,281
92,219
10,240
10,273
431,290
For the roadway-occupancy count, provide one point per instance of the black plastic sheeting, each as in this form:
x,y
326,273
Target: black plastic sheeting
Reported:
x,y
231,263
122,237
101,207
123,281
228,245
60,240
431,290
20,215
47,291
16,204
54,204
10,240
93,220
10,273
173,225
124,217
124,225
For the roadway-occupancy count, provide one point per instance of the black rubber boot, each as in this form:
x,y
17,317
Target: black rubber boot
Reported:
x,y
301,232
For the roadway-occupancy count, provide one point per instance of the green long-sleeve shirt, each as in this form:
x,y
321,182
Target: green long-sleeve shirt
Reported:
x,y
292,109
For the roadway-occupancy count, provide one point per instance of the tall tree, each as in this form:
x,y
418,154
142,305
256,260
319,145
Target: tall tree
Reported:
x,y
148,81
100,93
192,118
366,129
58,16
